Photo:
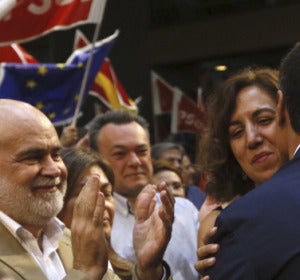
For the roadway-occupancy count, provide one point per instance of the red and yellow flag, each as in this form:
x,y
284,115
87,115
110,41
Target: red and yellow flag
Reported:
x,y
107,87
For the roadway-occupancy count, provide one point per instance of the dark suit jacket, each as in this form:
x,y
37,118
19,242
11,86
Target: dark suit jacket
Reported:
x,y
259,234
195,195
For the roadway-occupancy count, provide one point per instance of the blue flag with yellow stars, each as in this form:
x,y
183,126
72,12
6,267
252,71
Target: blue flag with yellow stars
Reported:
x,y
54,88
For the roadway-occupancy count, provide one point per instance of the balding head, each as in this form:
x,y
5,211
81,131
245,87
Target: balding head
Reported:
x,y
32,173
14,106
17,116
14,111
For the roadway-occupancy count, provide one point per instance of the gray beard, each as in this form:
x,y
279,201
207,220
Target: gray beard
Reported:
x,y
25,208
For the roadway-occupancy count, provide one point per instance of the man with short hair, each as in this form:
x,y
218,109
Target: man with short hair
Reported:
x,y
175,154
123,140
168,151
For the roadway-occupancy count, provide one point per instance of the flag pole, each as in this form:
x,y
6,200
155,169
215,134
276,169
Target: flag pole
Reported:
x,y
6,7
87,70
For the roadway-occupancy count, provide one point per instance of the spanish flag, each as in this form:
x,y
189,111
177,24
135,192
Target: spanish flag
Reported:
x,y
106,87
110,91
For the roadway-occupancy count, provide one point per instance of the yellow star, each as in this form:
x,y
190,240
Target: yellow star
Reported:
x,y
52,115
31,84
60,65
80,65
39,105
67,110
42,70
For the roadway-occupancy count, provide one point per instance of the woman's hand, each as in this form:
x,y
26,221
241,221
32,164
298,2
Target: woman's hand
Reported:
x,y
206,249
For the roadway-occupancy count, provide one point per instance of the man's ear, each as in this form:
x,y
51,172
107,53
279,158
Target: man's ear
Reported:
x,y
281,109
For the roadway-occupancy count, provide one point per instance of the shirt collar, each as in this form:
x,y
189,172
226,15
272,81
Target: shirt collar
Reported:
x,y
9,223
122,205
54,230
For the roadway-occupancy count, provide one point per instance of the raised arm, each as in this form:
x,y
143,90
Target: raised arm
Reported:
x,y
88,238
69,136
152,230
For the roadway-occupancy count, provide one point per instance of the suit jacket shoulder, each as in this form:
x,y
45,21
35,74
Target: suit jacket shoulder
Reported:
x,y
17,263
14,259
259,232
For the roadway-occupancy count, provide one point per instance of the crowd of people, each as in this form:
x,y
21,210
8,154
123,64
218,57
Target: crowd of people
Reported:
x,y
106,204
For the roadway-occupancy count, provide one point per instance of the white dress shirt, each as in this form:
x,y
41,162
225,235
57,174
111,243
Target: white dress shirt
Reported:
x,y
181,252
48,260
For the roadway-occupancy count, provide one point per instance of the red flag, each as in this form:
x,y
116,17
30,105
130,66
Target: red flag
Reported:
x,y
173,111
31,19
186,115
110,91
200,101
6,6
107,87
15,53
80,40
162,95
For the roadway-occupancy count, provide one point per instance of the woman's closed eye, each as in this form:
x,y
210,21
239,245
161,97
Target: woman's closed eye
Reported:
x,y
235,132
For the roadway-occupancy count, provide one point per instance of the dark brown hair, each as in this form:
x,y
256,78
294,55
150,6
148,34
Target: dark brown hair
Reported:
x,y
76,160
225,178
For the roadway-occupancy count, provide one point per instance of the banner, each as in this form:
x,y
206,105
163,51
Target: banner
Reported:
x,y
107,87
53,88
162,102
15,53
174,112
28,20
162,95
80,40
186,115
6,6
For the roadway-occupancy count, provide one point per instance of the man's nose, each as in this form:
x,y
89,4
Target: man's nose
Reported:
x,y
50,167
134,159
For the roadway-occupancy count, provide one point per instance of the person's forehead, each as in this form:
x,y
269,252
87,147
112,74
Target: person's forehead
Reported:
x,y
31,137
171,153
94,169
252,97
167,175
186,161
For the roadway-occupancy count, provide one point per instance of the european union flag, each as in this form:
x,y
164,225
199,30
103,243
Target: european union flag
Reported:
x,y
54,88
